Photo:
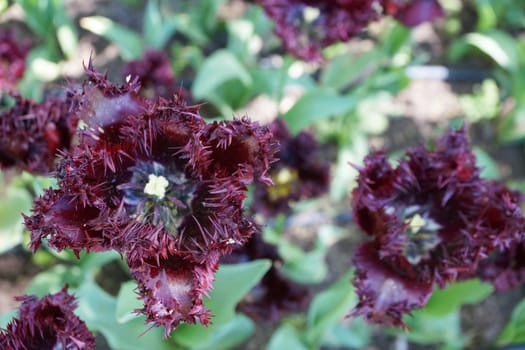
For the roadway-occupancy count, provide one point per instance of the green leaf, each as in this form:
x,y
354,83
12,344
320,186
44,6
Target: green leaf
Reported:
x,y
487,164
186,26
428,329
373,112
514,330
127,302
49,20
220,67
483,103
227,336
328,308
286,337
345,174
3,5
395,39
129,43
232,282
6,318
67,39
498,45
354,334
206,14
94,260
37,15
445,301
346,69
315,106
512,128
487,17
156,29
309,267
54,279
65,29
98,310
15,201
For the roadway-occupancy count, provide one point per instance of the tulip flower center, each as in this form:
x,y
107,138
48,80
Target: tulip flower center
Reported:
x,y
284,184
157,195
422,237
156,186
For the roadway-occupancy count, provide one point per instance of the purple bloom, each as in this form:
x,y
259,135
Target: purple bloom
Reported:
x,y
275,295
432,219
47,324
32,134
172,289
308,26
505,269
12,59
413,12
154,74
299,173
153,181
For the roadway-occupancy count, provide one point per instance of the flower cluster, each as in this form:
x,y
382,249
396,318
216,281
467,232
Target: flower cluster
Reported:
x,y
47,324
153,181
12,59
275,295
432,220
307,26
299,173
32,134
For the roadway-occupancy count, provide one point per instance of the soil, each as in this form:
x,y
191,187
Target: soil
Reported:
x,y
427,105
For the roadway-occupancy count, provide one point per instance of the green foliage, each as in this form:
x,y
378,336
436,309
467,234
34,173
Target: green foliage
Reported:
x,y
489,167
508,53
14,202
129,42
99,310
49,20
156,31
429,329
499,13
286,337
344,70
483,103
232,282
327,309
445,301
127,302
439,321
514,331
497,45
222,79
315,106
325,323
299,265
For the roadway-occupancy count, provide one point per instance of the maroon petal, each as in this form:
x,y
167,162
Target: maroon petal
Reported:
x,y
172,289
47,324
307,26
12,59
419,11
32,134
240,148
385,295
